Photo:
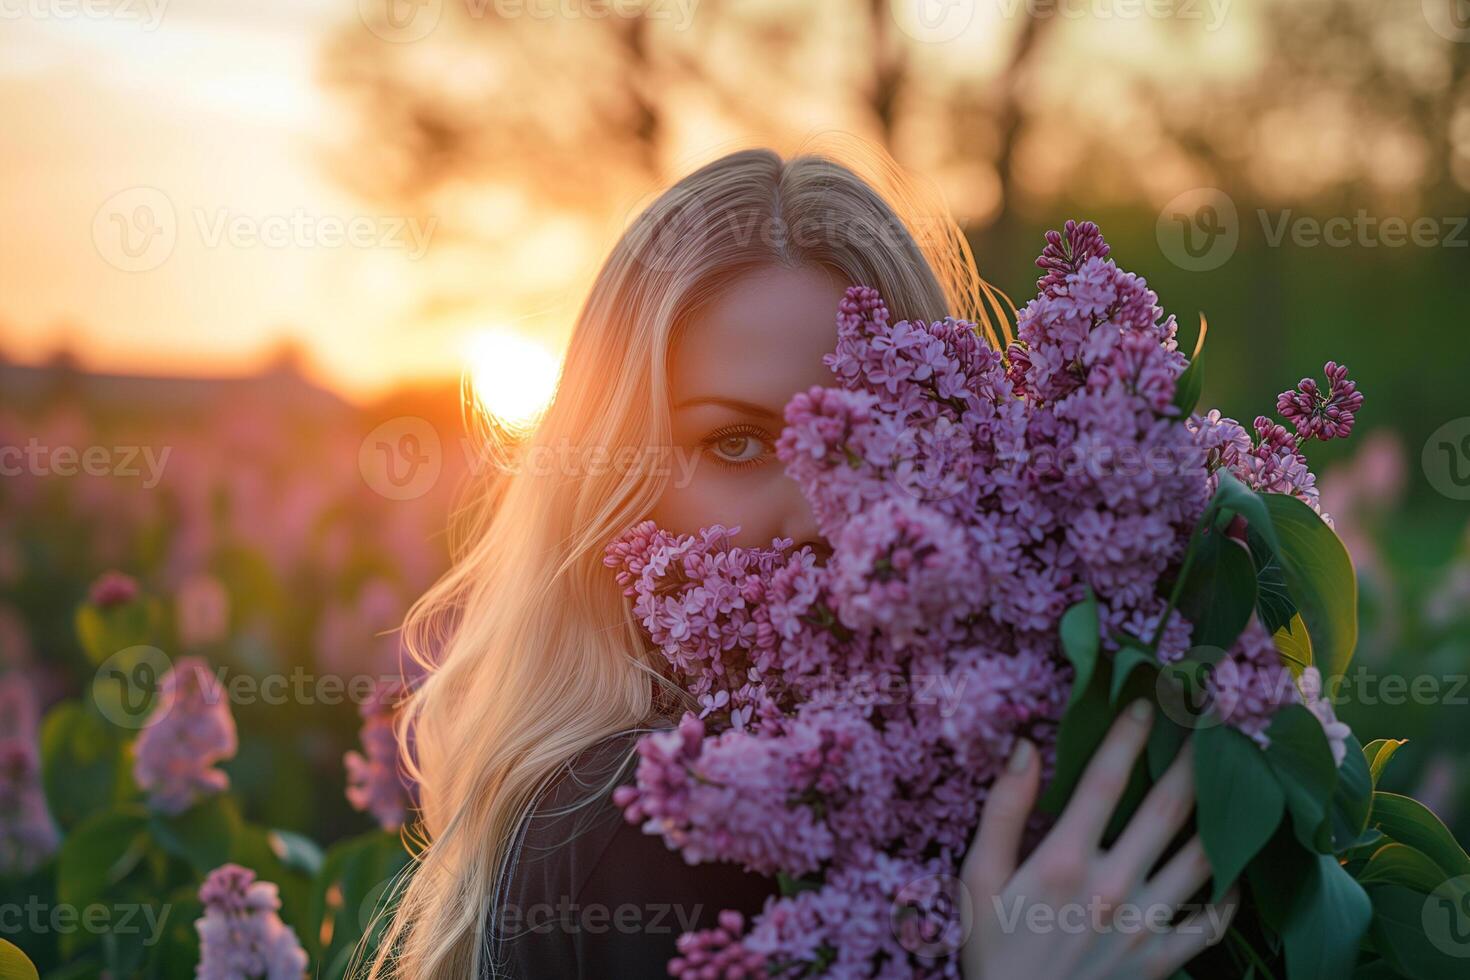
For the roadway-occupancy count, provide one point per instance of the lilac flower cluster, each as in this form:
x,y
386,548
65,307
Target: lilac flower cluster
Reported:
x,y
28,835
1273,461
376,782
190,730
969,498
241,935
112,588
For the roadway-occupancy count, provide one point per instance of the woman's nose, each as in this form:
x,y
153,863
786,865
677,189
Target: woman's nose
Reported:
x,y
799,523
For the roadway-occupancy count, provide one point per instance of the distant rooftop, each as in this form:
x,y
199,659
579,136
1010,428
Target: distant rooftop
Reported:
x,y
280,383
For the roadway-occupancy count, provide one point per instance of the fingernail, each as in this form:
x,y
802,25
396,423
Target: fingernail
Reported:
x,y
1021,756
1140,710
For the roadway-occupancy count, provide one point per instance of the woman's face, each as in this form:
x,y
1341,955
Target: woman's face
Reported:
x,y
730,375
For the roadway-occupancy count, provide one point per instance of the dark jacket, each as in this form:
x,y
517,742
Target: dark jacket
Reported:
x,y
587,894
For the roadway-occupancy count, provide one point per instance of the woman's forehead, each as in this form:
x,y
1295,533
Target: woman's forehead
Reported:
x,y
761,340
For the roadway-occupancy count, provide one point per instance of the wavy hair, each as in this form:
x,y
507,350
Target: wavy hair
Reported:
x,y
530,649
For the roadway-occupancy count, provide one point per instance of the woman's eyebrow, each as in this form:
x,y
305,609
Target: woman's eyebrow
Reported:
x,y
736,404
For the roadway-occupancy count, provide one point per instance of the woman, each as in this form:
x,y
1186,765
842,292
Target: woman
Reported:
x,y
715,306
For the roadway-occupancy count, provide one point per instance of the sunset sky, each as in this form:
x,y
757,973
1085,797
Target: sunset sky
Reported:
x,y
167,206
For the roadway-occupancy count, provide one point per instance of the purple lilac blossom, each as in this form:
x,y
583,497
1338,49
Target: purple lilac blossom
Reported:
x,y
188,733
28,835
112,589
853,714
376,782
241,935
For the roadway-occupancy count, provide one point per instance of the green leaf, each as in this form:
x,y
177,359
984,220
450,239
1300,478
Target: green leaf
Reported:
x,y
1137,685
340,964
1301,757
1083,725
1352,801
1191,382
1124,662
99,853
1423,937
1320,576
176,939
1273,600
106,859
1239,803
1295,645
83,763
1368,841
297,851
1328,916
1274,876
14,964
1410,822
1378,752
203,835
795,886
1376,969
1219,593
1164,741
103,632
1080,634
357,875
1235,497
1400,864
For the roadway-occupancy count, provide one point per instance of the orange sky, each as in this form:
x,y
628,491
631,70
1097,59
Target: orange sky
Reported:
x,y
209,124
166,208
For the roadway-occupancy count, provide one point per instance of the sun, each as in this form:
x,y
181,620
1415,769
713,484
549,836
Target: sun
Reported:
x,y
512,377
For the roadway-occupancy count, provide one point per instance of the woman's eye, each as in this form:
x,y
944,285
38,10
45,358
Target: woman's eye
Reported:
x,y
737,447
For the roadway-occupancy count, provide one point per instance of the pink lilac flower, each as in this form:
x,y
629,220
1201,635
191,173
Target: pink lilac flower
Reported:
x,y
28,835
189,731
241,935
1273,462
113,589
852,714
1337,732
376,782
1318,415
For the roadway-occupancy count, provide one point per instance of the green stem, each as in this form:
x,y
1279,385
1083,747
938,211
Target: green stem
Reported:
x,y
1204,521
1255,958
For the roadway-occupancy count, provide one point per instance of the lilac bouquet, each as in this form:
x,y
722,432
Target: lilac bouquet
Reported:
x,y
1021,542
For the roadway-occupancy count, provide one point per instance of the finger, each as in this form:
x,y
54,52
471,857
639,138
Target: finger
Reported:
x,y
1158,819
1196,932
1181,876
992,857
1106,776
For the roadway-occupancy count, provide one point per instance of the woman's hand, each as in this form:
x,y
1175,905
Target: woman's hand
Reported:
x,y
1072,909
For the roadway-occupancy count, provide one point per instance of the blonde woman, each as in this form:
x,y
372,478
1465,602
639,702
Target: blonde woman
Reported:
x,y
711,311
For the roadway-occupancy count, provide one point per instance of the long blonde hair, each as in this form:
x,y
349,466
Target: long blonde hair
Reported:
x,y
538,655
